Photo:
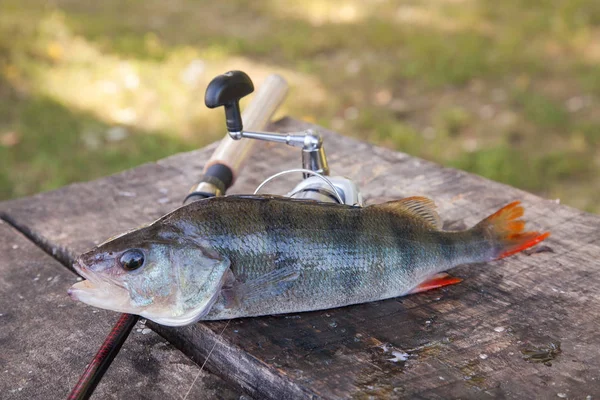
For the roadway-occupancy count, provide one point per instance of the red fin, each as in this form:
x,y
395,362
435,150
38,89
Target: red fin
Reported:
x,y
525,240
436,281
507,231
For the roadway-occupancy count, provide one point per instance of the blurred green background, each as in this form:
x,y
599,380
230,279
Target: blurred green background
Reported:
x,y
506,89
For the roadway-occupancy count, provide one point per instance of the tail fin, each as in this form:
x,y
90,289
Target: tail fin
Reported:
x,y
505,230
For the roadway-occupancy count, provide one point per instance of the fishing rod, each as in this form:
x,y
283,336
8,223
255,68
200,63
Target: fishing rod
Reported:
x,y
220,172
223,168
317,184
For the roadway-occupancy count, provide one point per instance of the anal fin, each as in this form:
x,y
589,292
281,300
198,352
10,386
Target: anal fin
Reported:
x,y
436,281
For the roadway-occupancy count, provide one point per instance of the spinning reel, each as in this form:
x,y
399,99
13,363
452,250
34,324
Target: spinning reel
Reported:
x,y
226,91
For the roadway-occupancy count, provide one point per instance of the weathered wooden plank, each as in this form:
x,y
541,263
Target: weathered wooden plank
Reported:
x,y
462,341
47,339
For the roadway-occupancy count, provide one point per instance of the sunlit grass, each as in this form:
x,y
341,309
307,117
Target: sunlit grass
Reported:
x,y
164,93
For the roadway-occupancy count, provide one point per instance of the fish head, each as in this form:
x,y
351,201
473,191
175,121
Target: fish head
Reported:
x,y
156,272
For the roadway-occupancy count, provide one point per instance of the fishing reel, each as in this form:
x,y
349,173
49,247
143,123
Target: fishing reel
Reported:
x,y
226,91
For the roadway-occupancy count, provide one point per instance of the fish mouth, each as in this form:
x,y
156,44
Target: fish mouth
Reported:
x,y
99,291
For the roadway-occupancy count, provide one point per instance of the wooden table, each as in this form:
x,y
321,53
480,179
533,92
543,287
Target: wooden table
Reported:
x,y
465,341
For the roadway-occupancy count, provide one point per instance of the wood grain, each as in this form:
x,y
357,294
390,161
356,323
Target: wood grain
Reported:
x,y
463,341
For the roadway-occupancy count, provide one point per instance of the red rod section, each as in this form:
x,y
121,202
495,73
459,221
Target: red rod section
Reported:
x,y
103,358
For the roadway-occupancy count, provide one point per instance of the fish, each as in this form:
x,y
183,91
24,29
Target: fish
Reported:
x,y
247,256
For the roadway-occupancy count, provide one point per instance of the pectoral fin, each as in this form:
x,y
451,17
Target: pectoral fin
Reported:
x,y
271,284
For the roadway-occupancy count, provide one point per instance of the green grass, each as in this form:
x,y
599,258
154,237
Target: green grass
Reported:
x,y
541,111
59,146
509,90
507,164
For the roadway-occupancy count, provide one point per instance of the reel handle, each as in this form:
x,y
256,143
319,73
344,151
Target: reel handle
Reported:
x,y
226,90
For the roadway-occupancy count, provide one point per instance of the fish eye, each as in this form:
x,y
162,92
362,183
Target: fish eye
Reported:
x,y
132,259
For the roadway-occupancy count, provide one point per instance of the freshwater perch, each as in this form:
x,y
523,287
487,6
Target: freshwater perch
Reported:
x,y
246,256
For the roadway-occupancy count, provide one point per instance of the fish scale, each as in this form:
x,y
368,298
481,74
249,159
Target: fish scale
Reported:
x,y
346,255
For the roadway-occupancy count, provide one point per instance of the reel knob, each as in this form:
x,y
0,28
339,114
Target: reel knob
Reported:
x,y
226,90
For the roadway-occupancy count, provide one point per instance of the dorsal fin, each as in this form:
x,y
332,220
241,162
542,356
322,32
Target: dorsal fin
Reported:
x,y
418,206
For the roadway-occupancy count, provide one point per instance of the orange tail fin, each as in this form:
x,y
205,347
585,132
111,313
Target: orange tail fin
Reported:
x,y
505,230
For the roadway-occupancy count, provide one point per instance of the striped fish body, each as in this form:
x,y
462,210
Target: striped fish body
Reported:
x,y
337,255
245,256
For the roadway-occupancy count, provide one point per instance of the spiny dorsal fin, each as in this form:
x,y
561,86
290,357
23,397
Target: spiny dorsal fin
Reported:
x,y
418,206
